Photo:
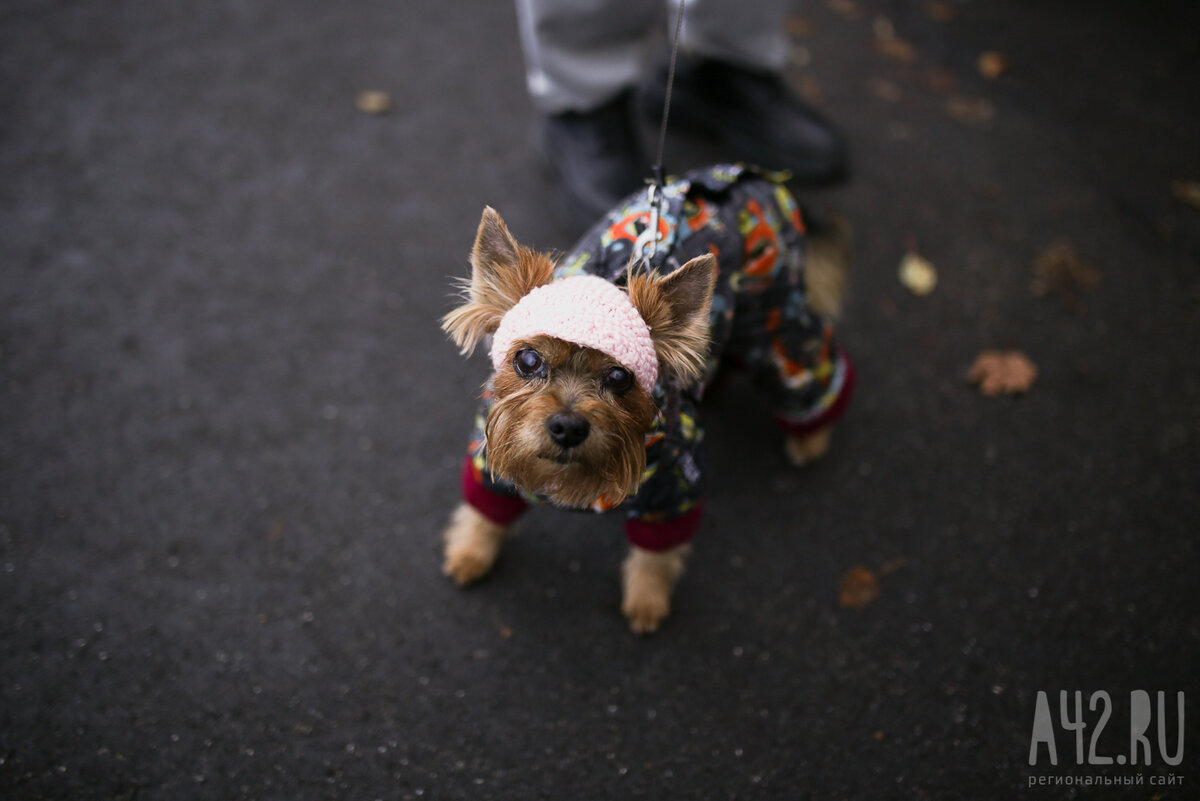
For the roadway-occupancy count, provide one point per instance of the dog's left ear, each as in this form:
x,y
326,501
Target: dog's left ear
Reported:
x,y
502,272
676,308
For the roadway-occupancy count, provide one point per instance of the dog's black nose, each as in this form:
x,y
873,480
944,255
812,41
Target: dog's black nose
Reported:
x,y
567,429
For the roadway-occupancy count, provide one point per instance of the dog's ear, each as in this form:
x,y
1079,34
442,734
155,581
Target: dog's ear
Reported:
x,y
502,272
676,307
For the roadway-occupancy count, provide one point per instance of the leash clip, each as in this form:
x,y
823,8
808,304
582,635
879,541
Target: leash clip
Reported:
x,y
646,245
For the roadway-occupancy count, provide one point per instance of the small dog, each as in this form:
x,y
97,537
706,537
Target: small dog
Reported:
x,y
600,360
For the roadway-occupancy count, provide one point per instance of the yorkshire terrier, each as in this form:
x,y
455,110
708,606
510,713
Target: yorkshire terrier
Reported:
x,y
600,360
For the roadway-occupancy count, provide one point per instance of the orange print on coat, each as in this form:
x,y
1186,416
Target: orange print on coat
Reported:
x,y
702,217
790,368
626,228
603,504
761,245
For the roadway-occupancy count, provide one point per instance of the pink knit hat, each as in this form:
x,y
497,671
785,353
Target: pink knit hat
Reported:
x,y
584,310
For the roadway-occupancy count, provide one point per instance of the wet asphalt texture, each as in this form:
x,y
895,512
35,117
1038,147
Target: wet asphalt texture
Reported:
x,y
230,427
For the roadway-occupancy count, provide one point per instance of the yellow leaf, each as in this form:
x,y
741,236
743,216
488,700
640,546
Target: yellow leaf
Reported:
x,y
917,274
373,102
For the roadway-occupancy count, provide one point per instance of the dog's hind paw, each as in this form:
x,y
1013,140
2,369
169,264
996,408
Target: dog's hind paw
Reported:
x,y
646,611
808,448
464,566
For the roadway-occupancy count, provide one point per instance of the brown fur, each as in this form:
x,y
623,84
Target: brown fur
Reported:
x,y
502,273
606,466
827,266
676,307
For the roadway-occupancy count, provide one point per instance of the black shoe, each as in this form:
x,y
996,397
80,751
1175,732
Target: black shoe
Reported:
x,y
754,117
597,156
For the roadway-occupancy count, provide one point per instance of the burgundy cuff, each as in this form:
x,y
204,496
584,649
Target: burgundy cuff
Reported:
x,y
498,507
663,535
830,415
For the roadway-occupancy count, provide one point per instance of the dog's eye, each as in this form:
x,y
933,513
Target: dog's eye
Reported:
x,y
618,379
528,363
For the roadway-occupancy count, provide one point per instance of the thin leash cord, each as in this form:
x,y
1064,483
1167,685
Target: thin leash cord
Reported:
x,y
657,169
647,244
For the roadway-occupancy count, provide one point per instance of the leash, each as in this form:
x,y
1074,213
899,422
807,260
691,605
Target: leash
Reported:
x,y
646,245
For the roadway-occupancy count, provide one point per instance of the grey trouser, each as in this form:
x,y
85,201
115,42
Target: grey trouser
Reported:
x,y
581,53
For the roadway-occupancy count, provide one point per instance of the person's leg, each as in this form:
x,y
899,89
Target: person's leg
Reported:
x,y
749,35
729,85
580,54
582,59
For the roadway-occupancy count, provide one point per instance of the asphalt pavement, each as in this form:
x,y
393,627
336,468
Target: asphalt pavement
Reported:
x,y
230,428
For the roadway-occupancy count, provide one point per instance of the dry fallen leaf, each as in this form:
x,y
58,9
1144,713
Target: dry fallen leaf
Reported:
x,y
1187,191
1002,372
940,10
941,80
917,274
798,27
809,88
846,8
971,111
897,49
859,587
373,102
992,64
885,90
1059,269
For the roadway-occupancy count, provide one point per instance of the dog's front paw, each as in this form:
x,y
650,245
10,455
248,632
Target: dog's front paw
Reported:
x,y
648,579
472,545
646,608
465,565
807,448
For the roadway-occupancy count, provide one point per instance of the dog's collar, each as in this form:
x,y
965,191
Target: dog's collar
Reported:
x,y
584,310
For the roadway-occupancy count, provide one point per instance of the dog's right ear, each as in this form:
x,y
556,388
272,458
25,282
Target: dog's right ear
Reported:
x,y
502,272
